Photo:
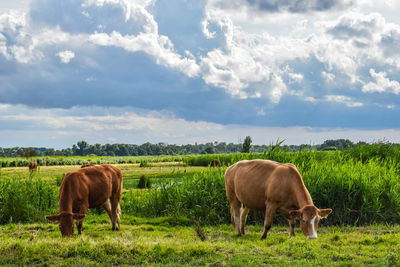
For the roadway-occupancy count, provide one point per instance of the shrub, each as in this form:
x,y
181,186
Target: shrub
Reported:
x,y
144,182
144,163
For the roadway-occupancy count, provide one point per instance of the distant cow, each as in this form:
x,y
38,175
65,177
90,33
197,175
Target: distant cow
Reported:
x,y
269,186
215,163
32,166
87,165
85,188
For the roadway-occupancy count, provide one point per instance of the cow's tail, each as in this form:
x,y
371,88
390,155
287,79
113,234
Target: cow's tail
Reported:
x,y
119,210
118,215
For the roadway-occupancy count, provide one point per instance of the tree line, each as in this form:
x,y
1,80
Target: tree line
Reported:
x,y
82,148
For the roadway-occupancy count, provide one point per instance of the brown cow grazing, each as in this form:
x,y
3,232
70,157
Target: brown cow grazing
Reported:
x,y
87,165
32,166
93,187
215,163
269,186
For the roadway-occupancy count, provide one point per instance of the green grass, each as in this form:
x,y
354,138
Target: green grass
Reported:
x,y
183,218
170,242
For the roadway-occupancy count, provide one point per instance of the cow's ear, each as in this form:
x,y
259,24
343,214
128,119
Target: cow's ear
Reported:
x,y
295,214
324,213
53,218
78,216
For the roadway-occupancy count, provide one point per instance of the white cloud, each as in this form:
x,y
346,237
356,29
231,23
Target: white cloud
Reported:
x,y
160,47
391,106
341,99
329,77
311,99
4,107
348,101
382,84
148,40
296,77
66,56
19,41
343,44
278,89
15,40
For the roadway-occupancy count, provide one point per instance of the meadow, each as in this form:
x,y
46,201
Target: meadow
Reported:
x,y
182,217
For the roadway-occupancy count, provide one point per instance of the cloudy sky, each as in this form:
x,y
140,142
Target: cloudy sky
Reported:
x,y
184,71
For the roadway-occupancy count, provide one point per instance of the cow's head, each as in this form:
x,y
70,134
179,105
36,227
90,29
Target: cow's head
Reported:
x,y
66,220
309,217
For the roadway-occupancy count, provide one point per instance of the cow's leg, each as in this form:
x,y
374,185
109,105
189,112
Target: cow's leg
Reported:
x,y
269,217
244,211
235,208
235,214
292,223
79,223
107,207
115,210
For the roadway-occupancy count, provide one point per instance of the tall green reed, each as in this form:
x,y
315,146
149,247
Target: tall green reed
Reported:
x,y
358,193
26,200
200,196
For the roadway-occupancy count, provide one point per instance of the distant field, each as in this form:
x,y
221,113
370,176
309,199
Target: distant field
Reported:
x,y
130,172
79,160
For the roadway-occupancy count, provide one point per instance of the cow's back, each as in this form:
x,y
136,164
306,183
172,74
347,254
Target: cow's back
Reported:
x,y
94,184
116,178
254,181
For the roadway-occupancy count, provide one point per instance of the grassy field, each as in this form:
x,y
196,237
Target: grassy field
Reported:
x,y
171,242
80,160
165,224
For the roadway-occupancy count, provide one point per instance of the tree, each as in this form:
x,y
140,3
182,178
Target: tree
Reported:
x,y
246,147
82,146
209,150
50,152
28,152
339,144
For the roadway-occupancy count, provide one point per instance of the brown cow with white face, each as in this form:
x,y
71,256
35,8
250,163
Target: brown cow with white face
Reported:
x,y
93,187
269,186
